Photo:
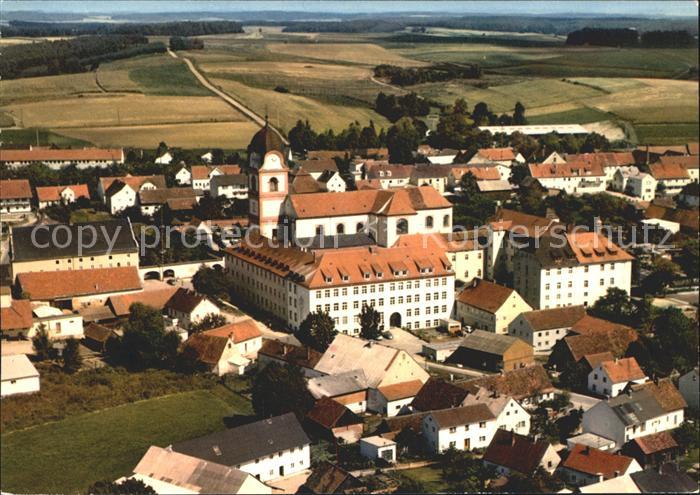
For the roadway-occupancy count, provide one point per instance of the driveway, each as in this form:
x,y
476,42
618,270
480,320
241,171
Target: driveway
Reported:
x,y
405,341
584,402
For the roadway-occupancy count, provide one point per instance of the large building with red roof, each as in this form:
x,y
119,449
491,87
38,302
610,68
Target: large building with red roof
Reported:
x,y
59,158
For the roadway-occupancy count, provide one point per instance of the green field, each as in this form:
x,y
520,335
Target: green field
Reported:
x,y
68,455
168,79
25,137
667,133
583,115
430,476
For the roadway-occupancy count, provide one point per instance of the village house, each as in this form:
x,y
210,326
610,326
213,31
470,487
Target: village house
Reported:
x,y
503,156
57,159
167,471
202,175
670,479
382,366
440,350
79,288
183,177
245,335
16,317
55,195
528,386
57,247
489,306
217,353
492,352
585,466
670,177
690,163
331,181
542,328
119,193
644,409
348,388
510,415
333,421
283,354
391,400
229,186
510,452
610,378
461,428
610,162
652,450
97,335
329,478
59,324
268,449
19,376
317,167
436,176
571,177
164,159
688,387
177,199
570,269
387,175
444,156
482,173
642,186
15,196
189,307
301,182
120,305
378,447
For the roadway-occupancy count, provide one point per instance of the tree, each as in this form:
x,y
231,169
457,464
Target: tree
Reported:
x,y
43,348
689,257
370,320
468,184
519,114
465,470
615,306
213,283
145,343
686,435
663,273
279,389
211,320
302,137
402,140
518,172
72,360
127,487
317,331
574,376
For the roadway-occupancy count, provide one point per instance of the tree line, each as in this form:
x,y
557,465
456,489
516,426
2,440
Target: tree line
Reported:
x,y
184,28
70,56
408,76
629,37
394,107
183,43
302,137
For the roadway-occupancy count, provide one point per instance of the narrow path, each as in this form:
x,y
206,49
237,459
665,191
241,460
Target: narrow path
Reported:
x,y
97,81
225,96
381,83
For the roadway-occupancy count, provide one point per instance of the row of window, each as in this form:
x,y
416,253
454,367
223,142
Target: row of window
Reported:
x,y
379,287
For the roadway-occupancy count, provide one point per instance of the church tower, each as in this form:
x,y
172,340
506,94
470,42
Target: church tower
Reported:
x,y
268,181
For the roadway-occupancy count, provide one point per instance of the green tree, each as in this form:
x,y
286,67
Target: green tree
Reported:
x,y
302,137
468,184
689,257
212,320
368,137
663,273
466,472
402,140
279,389
213,283
574,376
370,321
519,114
43,348
145,343
686,435
72,360
518,173
317,331
615,305
126,487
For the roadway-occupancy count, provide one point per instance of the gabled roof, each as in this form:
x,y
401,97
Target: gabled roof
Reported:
x,y
615,342
592,247
156,299
522,223
656,442
479,172
380,170
670,481
185,300
395,424
240,331
53,193
519,384
497,154
318,166
594,360
134,181
189,473
42,286
338,384
548,319
687,162
41,242
431,172
622,370
230,180
18,316
330,414
438,394
592,461
98,333
163,196
484,295
15,188
564,170
200,172
44,154
664,392
347,353
329,478
488,342
592,325
302,356
668,170
403,390
603,159
515,452
16,367
235,446
303,183
464,415
207,348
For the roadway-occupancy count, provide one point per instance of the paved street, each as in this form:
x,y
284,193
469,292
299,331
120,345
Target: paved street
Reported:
x,y
583,401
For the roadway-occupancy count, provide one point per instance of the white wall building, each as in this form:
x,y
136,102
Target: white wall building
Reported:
x,y
545,327
488,306
377,447
610,378
642,186
15,196
189,307
572,177
461,428
19,376
119,193
688,387
60,324
183,177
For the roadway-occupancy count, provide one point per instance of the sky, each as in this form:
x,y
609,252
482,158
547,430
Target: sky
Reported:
x,y
670,8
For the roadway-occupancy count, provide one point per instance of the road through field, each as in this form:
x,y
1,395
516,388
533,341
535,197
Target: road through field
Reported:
x,y
225,96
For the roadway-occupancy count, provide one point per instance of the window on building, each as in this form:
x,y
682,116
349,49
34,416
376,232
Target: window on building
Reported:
x,y
401,226
429,222
446,221
274,184
340,229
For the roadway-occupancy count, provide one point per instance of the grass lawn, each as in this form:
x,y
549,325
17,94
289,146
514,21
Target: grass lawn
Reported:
x,y
430,476
583,115
89,215
170,78
25,137
671,133
69,455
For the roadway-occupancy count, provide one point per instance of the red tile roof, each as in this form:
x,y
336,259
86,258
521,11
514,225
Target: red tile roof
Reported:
x,y
515,452
402,390
302,356
656,442
485,295
592,325
329,413
18,316
616,342
548,319
519,384
665,393
153,298
594,360
185,300
438,394
463,415
592,461
687,162
203,171
669,170
479,173
603,159
497,154
569,169
238,332
42,286
207,348
43,154
15,189
623,370
134,181
591,247
53,193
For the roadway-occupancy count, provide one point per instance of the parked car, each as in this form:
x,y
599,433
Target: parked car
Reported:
x,y
388,335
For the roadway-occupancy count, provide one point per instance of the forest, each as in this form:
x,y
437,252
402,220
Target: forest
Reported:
x,y
184,28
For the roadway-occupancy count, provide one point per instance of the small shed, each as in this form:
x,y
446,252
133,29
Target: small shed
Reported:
x,y
96,336
19,376
331,420
378,447
439,351
492,352
652,450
